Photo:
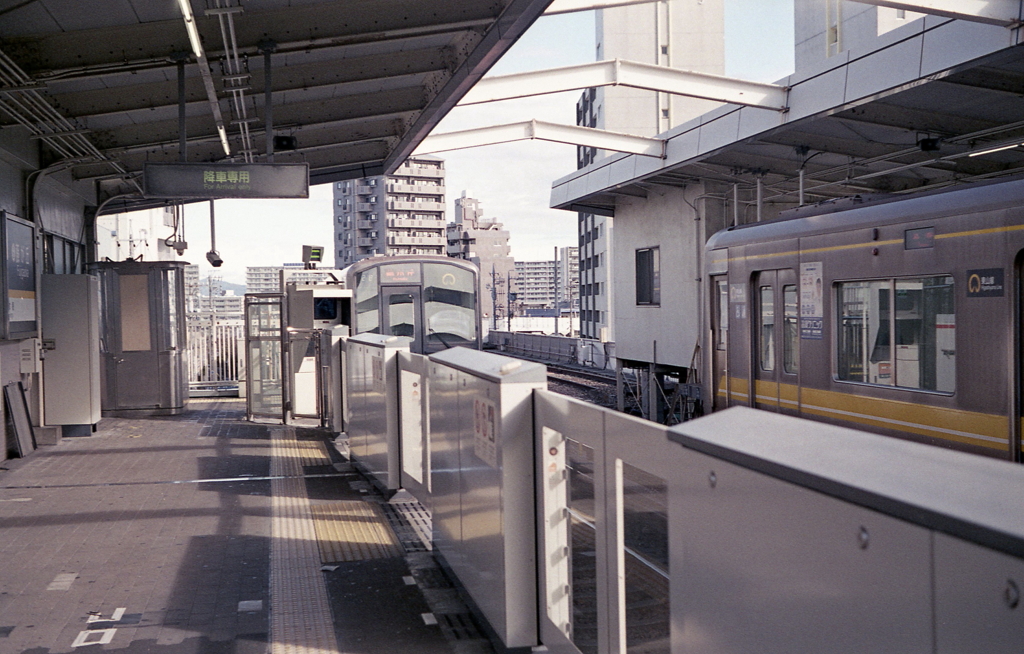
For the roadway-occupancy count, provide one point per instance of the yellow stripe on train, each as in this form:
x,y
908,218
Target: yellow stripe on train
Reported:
x,y
981,429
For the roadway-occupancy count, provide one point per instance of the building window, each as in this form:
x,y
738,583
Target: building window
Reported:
x,y
648,277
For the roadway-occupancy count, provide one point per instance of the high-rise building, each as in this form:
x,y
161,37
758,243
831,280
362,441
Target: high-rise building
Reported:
x,y
267,279
685,35
485,243
401,213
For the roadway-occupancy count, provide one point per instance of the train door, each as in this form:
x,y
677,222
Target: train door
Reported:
x,y
720,342
776,336
401,313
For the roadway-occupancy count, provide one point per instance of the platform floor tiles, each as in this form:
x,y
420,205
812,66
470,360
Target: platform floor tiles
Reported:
x,y
205,534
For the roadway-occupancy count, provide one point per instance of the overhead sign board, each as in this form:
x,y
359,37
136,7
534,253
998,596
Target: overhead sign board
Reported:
x,y
226,180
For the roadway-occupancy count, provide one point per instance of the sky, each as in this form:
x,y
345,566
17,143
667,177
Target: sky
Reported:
x,y
511,180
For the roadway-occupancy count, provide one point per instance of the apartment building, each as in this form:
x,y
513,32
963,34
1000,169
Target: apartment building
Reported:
x,y
402,213
484,241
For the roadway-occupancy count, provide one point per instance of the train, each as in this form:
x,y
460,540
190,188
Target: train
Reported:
x,y
431,299
899,315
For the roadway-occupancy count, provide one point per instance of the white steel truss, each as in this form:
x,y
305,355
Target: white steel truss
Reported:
x,y
536,129
570,6
616,72
994,12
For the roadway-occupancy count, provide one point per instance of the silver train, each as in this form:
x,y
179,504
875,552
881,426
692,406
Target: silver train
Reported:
x,y
901,317
431,299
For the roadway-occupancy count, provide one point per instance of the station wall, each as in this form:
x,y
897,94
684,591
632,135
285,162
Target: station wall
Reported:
x,y
60,205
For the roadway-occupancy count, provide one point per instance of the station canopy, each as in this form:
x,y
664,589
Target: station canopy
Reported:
x,y
940,103
355,84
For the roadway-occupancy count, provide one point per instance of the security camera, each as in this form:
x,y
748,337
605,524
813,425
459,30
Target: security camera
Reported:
x,y
214,258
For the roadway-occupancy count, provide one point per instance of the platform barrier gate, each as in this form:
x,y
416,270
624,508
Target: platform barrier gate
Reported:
x,y
587,530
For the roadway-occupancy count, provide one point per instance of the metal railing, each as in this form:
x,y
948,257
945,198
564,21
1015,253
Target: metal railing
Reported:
x,y
215,355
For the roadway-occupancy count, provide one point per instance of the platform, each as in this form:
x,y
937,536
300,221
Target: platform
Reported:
x,y
203,533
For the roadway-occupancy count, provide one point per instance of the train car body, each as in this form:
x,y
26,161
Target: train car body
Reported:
x,y
431,299
897,316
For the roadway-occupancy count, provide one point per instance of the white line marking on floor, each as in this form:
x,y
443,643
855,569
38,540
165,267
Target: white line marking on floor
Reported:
x,y
17,499
250,605
63,581
428,619
105,636
95,617
409,581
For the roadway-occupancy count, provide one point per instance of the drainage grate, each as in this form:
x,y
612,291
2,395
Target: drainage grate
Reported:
x,y
431,578
411,523
458,626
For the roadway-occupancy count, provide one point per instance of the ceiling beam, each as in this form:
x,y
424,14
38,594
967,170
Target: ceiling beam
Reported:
x,y
1006,13
402,69
295,28
616,72
535,129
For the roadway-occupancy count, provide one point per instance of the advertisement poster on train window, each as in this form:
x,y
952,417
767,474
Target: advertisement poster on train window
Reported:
x,y
812,302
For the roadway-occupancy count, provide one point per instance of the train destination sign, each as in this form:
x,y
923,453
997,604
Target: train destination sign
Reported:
x,y
226,180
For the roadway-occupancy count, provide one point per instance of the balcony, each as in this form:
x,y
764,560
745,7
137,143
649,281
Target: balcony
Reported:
x,y
365,242
419,171
405,239
415,206
367,206
420,189
415,222
367,224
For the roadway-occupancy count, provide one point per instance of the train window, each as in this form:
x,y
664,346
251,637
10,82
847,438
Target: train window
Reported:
x,y
401,315
863,338
790,328
449,297
723,315
907,342
767,330
925,333
367,311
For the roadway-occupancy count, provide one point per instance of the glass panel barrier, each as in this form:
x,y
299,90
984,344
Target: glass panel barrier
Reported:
x,y
645,539
582,546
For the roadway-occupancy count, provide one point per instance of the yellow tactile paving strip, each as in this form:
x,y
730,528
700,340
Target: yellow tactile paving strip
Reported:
x,y
311,453
353,531
300,615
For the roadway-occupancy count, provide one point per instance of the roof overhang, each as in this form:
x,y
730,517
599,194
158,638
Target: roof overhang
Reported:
x,y
358,83
924,109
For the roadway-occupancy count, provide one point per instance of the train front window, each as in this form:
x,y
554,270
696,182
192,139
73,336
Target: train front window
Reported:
x,y
449,302
767,328
367,310
898,333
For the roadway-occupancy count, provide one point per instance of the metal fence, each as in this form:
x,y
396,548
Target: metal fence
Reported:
x,y
559,349
216,360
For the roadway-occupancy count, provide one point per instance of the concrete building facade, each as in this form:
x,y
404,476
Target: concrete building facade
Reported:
x,y
688,35
485,242
402,213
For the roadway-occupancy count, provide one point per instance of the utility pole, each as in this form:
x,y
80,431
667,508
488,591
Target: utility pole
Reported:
x,y
509,297
494,298
558,307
